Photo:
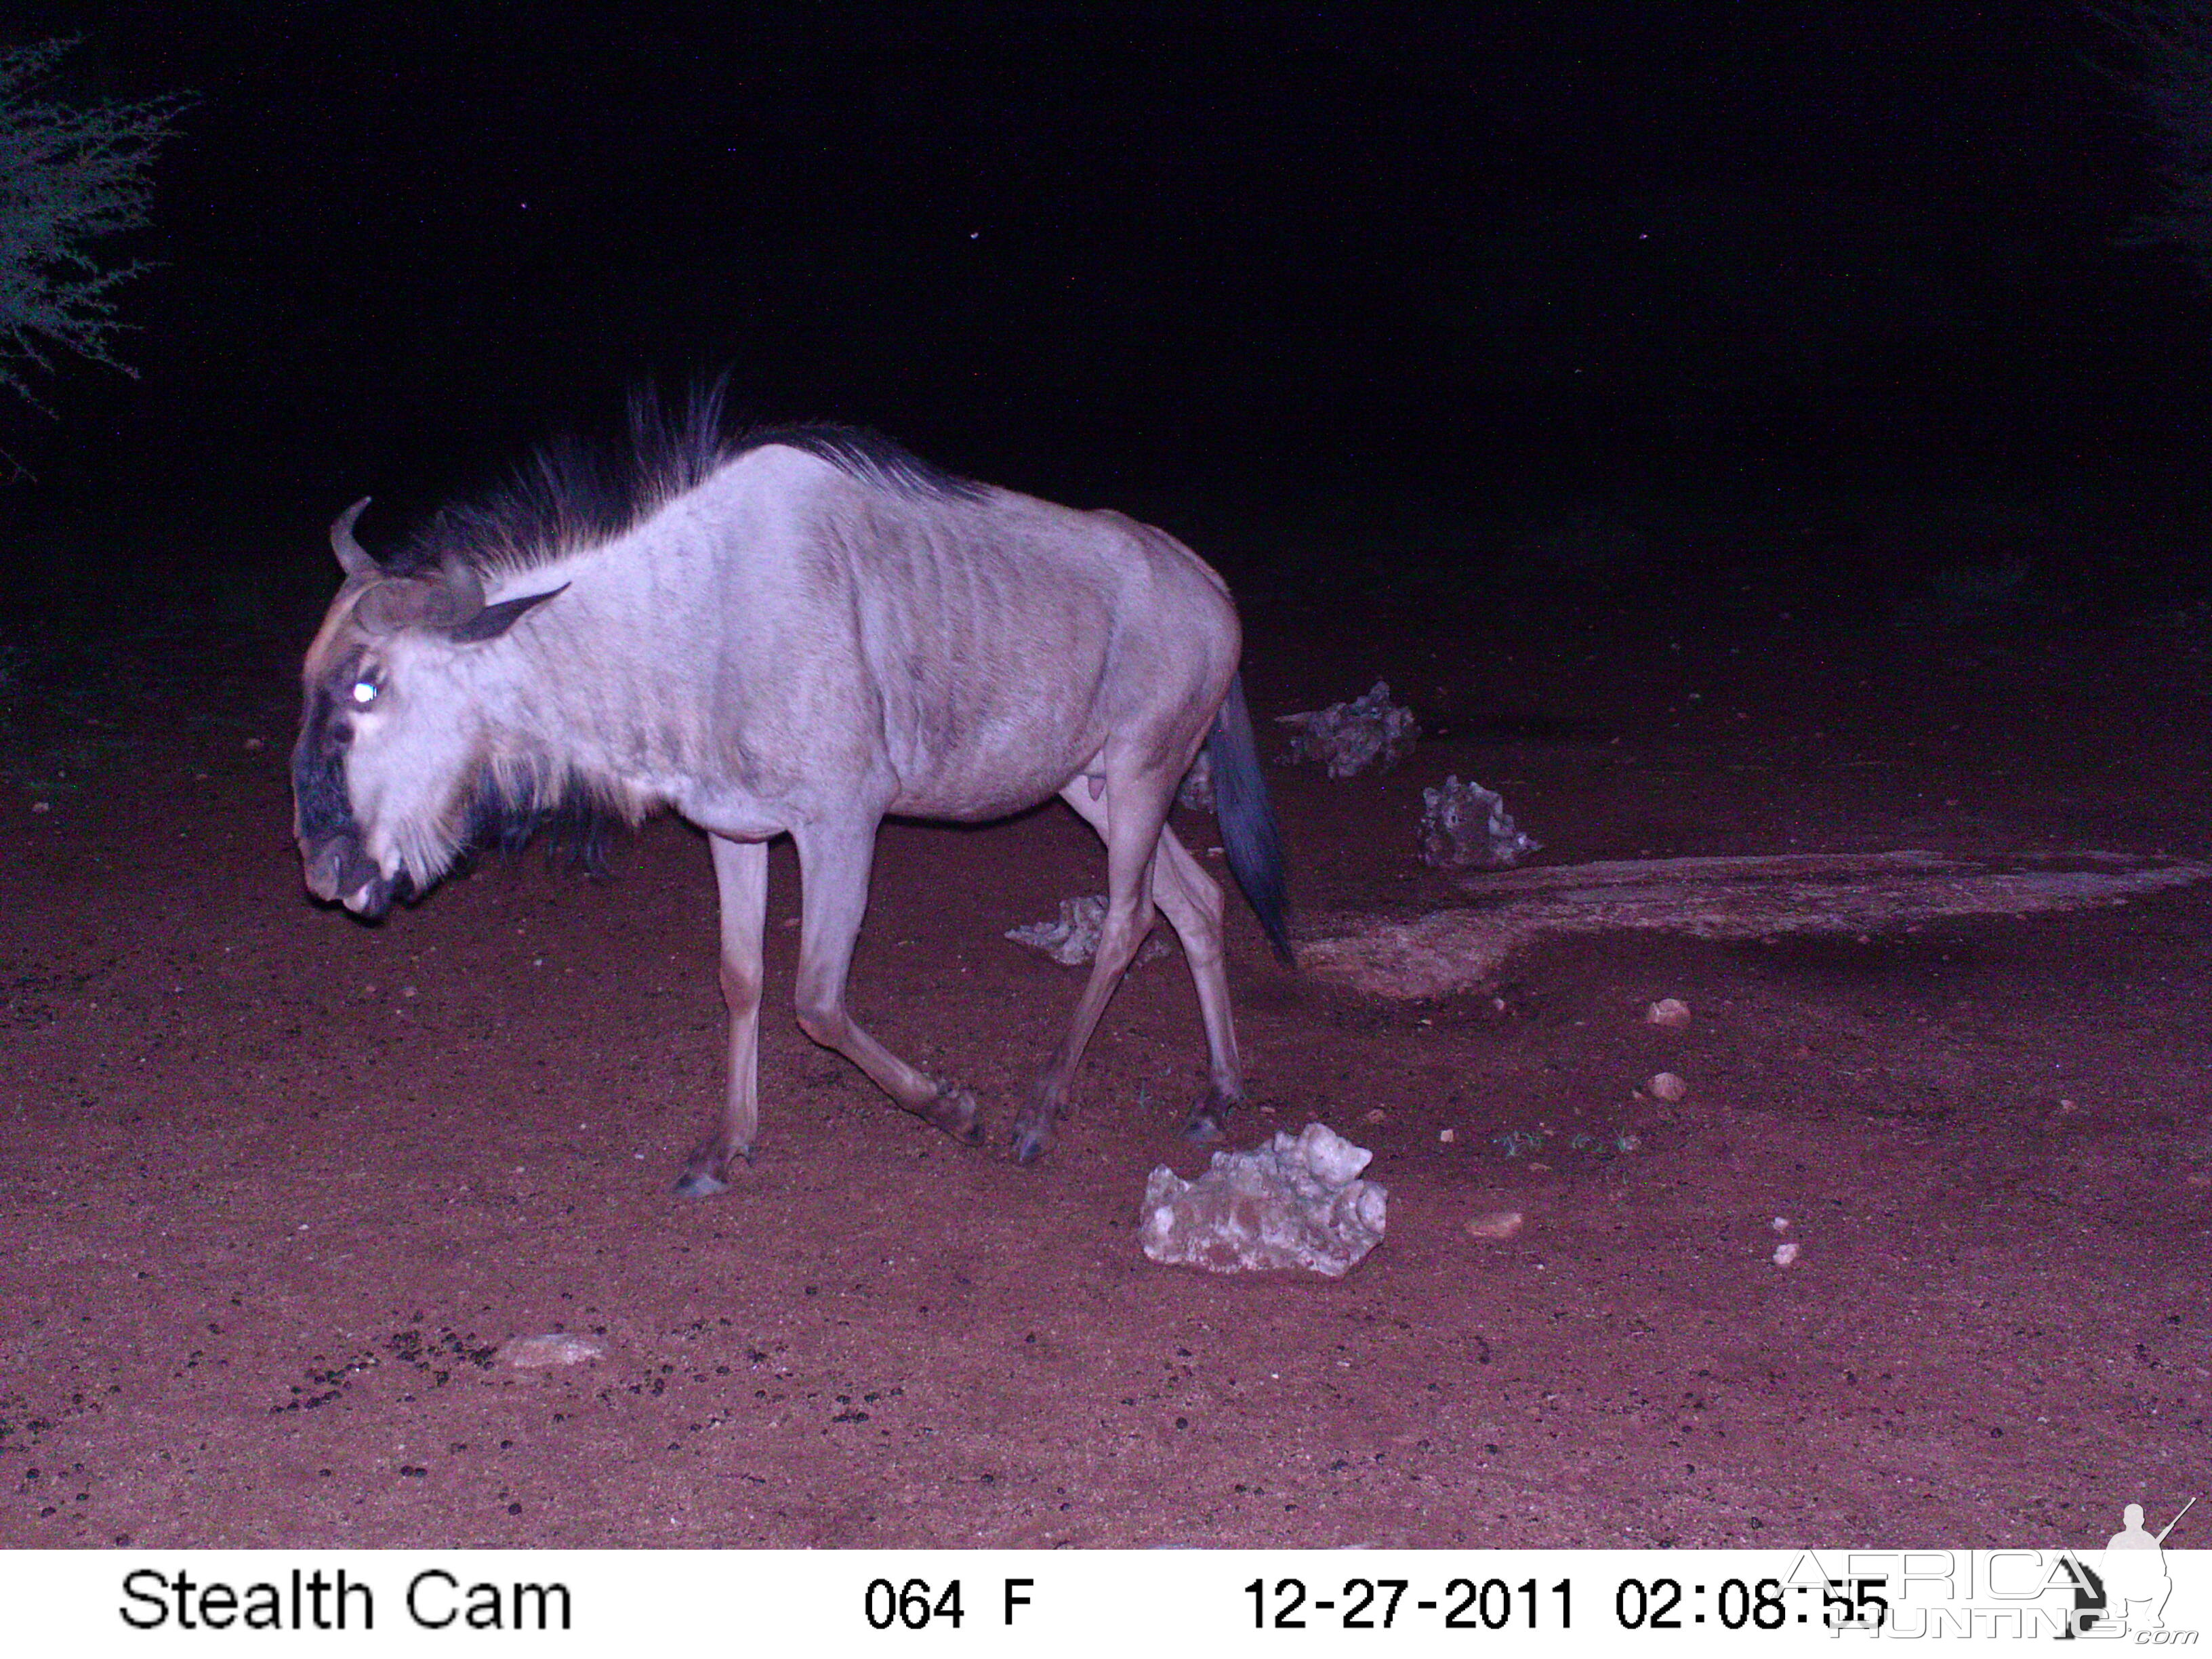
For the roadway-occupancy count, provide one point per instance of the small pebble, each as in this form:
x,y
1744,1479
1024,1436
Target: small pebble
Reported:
x,y
1672,1012
1785,1254
1447,1136
560,1348
41,806
1667,1087
1373,1114
254,743
1782,1223
1498,1224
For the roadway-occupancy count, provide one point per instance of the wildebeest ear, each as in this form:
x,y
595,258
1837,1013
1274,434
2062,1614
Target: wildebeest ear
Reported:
x,y
353,558
494,620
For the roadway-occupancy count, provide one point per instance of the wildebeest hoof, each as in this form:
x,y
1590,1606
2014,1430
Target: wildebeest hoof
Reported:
x,y
703,1173
1202,1126
1209,1117
1033,1133
955,1114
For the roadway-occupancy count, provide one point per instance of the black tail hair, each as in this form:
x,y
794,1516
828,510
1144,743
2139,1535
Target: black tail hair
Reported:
x,y
1247,817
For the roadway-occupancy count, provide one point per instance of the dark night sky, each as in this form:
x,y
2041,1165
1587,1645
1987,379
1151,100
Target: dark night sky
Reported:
x,y
1350,247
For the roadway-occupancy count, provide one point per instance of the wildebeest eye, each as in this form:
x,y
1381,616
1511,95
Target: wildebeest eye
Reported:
x,y
364,692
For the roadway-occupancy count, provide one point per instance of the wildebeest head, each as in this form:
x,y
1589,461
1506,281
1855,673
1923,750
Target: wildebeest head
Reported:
x,y
394,737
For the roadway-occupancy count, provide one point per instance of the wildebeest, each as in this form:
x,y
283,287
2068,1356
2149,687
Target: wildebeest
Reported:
x,y
798,631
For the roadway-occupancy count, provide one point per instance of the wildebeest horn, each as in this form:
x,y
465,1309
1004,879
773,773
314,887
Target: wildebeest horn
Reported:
x,y
353,557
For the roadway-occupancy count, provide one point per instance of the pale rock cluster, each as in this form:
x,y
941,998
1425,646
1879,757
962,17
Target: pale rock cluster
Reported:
x,y
1348,737
1465,826
1295,1202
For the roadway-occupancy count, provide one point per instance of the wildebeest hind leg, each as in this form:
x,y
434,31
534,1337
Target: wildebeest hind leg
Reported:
x,y
1193,903
833,865
741,873
1133,810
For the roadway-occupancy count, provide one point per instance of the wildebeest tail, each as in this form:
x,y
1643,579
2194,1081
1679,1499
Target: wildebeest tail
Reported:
x,y
1247,817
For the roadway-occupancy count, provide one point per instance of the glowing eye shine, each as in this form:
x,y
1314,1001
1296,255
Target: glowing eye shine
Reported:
x,y
364,692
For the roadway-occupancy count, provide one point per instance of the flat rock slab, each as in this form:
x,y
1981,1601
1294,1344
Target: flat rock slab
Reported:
x,y
1751,896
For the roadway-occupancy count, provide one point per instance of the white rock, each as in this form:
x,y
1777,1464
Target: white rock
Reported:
x,y
1347,738
1667,1087
1466,826
1785,1254
1672,1012
1331,1158
1499,1225
1195,792
1295,1202
557,1348
1072,939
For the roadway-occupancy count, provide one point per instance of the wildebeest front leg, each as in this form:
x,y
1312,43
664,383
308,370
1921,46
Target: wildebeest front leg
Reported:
x,y
1193,903
1134,811
741,873
833,864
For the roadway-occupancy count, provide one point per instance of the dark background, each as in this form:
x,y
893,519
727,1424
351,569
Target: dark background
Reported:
x,y
1323,286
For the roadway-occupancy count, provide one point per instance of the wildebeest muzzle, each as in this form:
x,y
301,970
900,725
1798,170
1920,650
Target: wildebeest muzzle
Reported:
x,y
340,869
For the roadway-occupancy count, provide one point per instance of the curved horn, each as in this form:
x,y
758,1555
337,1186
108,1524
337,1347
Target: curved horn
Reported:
x,y
353,557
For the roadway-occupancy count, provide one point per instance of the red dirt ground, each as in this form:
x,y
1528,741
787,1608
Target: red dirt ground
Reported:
x,y
278,1184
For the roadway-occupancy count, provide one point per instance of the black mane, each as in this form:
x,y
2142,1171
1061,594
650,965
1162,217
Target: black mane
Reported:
x,y
569,496
582,825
